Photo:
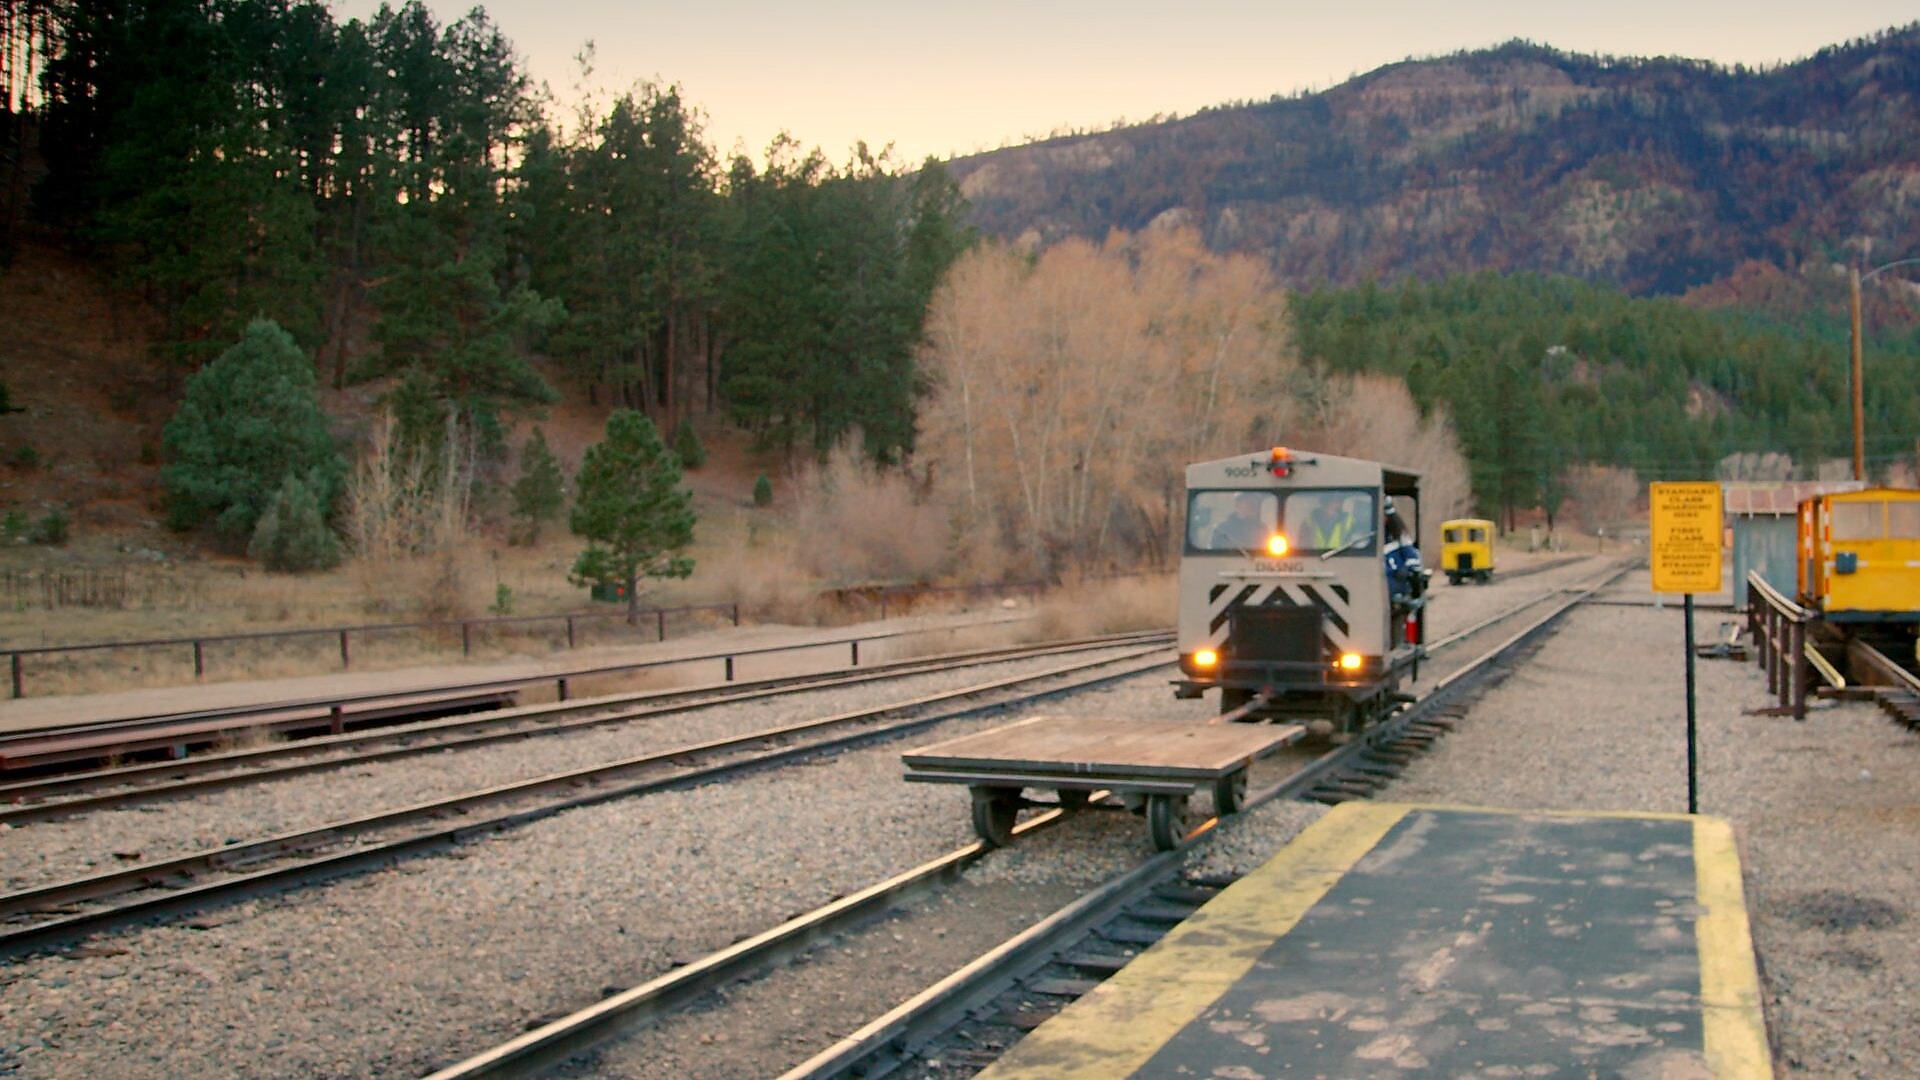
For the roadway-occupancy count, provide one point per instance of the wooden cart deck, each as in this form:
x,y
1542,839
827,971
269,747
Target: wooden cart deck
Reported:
x,y
1157,764
1088,749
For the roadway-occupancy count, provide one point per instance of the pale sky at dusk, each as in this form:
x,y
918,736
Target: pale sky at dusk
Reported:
x,y
954,78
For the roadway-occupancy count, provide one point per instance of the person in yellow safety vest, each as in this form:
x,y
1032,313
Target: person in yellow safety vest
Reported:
x,y
1330,525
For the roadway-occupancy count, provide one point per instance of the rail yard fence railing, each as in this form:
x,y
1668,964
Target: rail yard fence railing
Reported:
x,y
1779,629
885,600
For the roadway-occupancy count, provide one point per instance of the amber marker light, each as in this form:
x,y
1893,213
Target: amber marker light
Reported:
x,y
1349,661
1276,544
1206,658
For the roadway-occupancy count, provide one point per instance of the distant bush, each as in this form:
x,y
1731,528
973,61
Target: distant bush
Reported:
x,y
540,490
502,599
763,491
14,524
687,446
24,456
52,529
292,535
249,420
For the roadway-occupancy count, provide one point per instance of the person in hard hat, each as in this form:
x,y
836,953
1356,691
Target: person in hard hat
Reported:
x,y
1243,530
1331,525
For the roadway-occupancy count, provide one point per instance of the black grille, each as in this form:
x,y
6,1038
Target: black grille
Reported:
x,y
1280,634
1466,560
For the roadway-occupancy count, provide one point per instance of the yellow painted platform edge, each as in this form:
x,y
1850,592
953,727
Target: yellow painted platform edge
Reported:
x,y
1122,1023
1529,811
1733,1022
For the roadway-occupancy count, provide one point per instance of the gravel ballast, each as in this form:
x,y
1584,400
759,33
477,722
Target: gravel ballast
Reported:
x,y
404,970
47,852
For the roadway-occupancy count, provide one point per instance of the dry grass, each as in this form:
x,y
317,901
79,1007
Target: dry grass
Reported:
x,y
1109,606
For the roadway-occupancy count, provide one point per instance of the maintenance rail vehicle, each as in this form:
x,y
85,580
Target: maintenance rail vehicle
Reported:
x,y
1466,550
1859,565
1286,608
1284,603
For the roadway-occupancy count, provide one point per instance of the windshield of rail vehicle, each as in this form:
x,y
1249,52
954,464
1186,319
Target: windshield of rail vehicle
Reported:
x,y
1314,520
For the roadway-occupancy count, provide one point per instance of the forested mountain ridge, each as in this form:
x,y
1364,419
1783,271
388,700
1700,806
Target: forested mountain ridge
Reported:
x,y
1659,175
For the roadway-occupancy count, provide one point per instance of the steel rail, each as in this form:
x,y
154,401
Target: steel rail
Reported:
x,y
190,867
946,1001
1861,653
173,779
552,1043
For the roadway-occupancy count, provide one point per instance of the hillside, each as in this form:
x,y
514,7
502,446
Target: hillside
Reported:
x,y
1659,175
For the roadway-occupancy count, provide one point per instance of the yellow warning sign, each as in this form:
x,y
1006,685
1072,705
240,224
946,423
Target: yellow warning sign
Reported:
x,y
1686,537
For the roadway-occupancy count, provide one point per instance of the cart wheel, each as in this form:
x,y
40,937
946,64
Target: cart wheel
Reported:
x,y
1230,793
1166,820
994,811
1074,800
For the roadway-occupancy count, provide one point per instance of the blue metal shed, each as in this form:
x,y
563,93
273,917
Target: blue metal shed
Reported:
x,y
1762,515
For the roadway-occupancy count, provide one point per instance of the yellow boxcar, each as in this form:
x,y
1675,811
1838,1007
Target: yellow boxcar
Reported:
x,y
1466,549
1859,555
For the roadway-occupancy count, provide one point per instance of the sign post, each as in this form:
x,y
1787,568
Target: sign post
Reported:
x,y
1686,560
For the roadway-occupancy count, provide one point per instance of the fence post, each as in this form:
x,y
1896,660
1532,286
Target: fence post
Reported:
x,y
346,655
1800,671
729,669
569,631
466,639
736,614
562,688
199,661
662,616
856,651
336,719
16,674
1773,650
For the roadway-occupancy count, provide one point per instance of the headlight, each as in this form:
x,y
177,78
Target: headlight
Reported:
x,y
1205,658
1350,661
1276,545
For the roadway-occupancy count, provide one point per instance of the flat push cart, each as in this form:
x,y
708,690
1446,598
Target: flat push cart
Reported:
x,y
1158,763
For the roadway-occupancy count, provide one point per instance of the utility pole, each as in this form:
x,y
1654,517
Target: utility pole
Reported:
x,y
1859,410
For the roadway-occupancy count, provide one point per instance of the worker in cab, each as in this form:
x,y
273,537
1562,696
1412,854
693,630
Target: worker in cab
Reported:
x,y
1243,530
1331,525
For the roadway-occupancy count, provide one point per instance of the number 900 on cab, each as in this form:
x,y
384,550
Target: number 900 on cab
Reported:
x,y
1302,597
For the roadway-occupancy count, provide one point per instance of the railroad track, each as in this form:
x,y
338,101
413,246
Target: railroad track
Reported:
x,y
1050,958
63,796
42,917
1892,686
177,732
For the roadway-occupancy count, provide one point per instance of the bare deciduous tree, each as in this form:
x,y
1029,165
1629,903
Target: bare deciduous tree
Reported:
x,y
1071,390
1605,495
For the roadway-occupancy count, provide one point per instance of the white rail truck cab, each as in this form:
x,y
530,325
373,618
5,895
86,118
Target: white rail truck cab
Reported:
x,y
1283,592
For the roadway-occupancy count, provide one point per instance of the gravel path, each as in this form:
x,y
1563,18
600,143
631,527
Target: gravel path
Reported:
x,y
52,851
1826,810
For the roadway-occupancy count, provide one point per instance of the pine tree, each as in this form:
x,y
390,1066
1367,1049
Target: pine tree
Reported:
x,y
249,420
539,491
292,535
762,491
629,506
686,446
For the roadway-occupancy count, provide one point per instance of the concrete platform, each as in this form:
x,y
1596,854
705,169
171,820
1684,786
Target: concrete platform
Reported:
x,y
1397,941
